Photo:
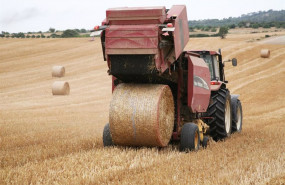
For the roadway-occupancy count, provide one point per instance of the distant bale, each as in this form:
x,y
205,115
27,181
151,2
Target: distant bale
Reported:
x,y
60,88
265,53
58,71
141,115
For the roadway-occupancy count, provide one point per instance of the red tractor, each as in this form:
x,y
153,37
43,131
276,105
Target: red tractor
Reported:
x,y
160,92
224,114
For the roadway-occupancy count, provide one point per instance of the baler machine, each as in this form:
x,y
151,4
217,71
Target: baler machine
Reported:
x,y
160,92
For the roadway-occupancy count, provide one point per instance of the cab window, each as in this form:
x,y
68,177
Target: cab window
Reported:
x,y
209,62
216,67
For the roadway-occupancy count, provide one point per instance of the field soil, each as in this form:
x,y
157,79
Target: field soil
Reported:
x,y
47,139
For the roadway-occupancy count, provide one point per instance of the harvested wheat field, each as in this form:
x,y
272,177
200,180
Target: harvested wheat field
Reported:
x,y
46,139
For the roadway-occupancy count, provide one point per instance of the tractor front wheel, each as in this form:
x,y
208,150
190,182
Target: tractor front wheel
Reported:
x,y
205,142
190,137
236,115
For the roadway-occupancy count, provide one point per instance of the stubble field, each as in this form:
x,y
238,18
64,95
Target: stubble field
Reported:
x,y
47,139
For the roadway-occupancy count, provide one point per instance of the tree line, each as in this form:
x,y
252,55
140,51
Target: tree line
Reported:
x,y
261,17
242,24
52,33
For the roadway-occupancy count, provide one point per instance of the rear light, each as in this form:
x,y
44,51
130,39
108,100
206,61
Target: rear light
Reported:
x,y
169,25
96,28
215,83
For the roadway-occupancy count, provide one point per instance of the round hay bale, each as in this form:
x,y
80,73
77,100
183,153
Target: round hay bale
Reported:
x,y
265,53
58,71
141,115
60,88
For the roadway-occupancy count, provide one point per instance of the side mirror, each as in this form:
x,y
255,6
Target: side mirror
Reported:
x,y
234,62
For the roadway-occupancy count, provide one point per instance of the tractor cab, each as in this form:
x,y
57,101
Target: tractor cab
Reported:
x,y
216,65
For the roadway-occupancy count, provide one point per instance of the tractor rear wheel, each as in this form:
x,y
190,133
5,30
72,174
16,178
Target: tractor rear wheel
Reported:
x,y
107,138
236,116
190,137
220,111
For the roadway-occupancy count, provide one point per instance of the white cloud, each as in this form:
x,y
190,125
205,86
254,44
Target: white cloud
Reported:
x,y
14,17
36,15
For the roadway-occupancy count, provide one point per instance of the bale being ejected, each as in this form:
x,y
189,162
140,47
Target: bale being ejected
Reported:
x,y
160,92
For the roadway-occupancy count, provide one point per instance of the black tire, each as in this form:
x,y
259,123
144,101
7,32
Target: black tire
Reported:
x,y
220,111
190,137
205,142
236,114
107,138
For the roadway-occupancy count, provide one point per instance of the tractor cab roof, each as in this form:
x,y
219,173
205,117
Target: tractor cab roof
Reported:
x,y
206,52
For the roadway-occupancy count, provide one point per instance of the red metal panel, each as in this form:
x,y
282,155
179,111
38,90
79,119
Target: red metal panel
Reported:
x,y
213,53
132,37
104,22
132,34
133,51
181,33
132,31
198,84
152,27
142,43
136,15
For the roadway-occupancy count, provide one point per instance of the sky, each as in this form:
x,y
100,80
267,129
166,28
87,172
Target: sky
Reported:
x,y
39,15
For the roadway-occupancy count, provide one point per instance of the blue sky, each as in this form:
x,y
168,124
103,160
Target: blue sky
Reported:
x,y
39,15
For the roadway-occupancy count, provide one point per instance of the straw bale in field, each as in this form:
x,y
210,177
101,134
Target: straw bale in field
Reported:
x,y
265,53
60,88
58,71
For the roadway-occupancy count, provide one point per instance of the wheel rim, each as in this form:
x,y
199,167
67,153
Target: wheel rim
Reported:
x,y
238,119
196,140
227,116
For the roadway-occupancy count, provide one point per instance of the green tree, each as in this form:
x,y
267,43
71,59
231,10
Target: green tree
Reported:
x,y
83,30
232,26
38,36
69,33
223,32
52,30
16,35
54,35
207,28
266,25
242,24
33,36
200,27
21,35
191,29
255,25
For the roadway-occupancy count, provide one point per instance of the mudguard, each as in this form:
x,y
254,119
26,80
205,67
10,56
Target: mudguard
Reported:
x,y
199,81
234,99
